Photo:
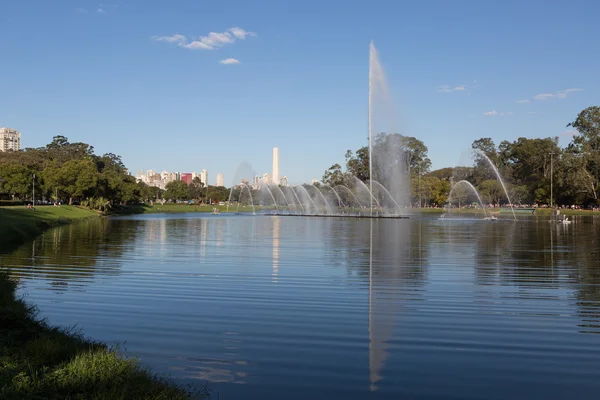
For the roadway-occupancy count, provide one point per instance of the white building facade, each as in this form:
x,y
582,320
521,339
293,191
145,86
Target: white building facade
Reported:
x,y
10,139
220,179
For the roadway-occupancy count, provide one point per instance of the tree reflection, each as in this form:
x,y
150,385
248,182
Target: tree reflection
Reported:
x,y
72,255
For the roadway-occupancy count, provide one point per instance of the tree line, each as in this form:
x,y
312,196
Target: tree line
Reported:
x,y
535,170
196,190
69,172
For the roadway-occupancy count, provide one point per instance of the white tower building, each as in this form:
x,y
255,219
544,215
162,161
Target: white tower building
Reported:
x,y
220,179
10,139
204,177
275,166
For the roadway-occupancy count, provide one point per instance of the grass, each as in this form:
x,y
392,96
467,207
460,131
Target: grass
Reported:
x,y
176,208
41,362
18,224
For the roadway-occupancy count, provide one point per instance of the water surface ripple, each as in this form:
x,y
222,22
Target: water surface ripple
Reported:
x,y
325,308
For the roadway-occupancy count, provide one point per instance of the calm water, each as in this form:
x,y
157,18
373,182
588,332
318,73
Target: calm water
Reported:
x,y
289,307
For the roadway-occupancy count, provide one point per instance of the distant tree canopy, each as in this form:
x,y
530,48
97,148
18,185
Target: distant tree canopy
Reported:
x,y
529,166
68,172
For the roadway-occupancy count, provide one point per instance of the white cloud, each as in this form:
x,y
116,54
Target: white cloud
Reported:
x,y
448,88
212,41
558,95
494,113
82,10
229,61
176,38
523,101
101,10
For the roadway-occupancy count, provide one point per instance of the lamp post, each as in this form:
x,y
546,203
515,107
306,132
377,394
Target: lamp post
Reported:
x,y
33,187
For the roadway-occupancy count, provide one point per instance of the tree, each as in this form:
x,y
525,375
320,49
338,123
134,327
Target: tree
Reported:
x,y
16,180
492,190
195,189
392,149
587,145
485,147
75,178
334,176
357,164
177,190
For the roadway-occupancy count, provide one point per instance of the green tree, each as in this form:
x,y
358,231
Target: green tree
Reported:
x,y
334,176
177,190
587,145
196,189
16,181
492,191
357,164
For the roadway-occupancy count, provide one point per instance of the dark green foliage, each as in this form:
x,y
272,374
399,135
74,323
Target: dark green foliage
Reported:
x,y
68,172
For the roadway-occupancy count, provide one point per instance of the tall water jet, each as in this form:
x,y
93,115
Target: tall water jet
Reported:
x,y
387,163
482,154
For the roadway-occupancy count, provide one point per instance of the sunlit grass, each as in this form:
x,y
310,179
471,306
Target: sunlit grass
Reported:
x,y
41,362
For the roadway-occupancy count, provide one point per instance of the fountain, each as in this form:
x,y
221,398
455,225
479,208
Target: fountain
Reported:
x,y
388,169
470,186
387,164
485,157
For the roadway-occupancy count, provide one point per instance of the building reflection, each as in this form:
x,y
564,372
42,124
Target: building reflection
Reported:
x,y
276,222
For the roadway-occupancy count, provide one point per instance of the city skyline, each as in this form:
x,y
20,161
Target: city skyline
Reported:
x,y
455,71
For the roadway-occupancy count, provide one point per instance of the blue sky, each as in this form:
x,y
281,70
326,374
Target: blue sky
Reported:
x,y
95,72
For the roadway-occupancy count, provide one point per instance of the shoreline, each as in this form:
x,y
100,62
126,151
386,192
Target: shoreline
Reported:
x,y
41,361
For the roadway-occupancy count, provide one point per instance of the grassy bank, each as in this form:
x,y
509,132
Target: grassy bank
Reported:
x,y
18,224
157,208
41,362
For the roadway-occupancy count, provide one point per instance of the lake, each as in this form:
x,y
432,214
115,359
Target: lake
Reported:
x,y
333,308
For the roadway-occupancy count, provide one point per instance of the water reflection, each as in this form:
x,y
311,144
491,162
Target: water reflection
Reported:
x,y
323,306
73,255
276,223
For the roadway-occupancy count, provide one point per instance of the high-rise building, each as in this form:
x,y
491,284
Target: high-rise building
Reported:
x,y
10,139
267,178
186,177
220,179
283,181
204,177
275,165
